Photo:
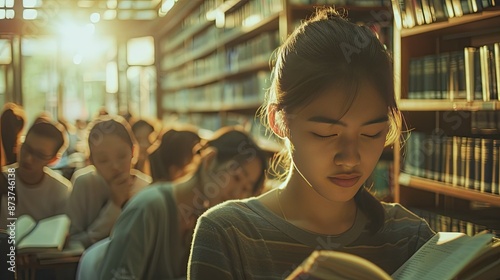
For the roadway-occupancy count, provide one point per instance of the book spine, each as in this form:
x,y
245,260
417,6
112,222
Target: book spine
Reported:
x,y
448,157
456,160
469,72
439,162
495,167
477,164
485,80
463,162
469,168
486,165
496,66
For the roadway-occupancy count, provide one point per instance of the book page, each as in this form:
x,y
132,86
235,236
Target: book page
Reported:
x,y
337,265
442,257
24,225
48,233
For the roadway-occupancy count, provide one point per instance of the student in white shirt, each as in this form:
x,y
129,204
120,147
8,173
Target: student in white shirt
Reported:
x,y
102,189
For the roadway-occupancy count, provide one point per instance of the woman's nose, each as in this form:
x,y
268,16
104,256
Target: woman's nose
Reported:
x,y
348,154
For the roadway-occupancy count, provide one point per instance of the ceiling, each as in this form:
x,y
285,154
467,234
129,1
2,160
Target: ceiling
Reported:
x,y
127,15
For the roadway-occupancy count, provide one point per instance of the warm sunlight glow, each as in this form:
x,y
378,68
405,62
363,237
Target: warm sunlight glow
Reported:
x,y
141,51
112,4
77,59
78,42
109,15
95,17
5,52
165,7
112,77
252,20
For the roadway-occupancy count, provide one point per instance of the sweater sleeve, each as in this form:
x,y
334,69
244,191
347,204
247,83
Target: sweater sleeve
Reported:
x,y
212,253
134,242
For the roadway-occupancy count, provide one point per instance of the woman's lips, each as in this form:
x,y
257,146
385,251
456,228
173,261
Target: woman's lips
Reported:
x,y
345,181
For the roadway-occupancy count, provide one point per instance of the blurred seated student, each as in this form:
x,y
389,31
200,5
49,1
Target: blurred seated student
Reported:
x,y
12,122
101,189
332,101
152,237
41,192
70,159
145,134
172,157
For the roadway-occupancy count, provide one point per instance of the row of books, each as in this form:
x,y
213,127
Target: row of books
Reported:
x,y
246,91
485,122
255,50
468,224
418,12
471,163
199,16
471,74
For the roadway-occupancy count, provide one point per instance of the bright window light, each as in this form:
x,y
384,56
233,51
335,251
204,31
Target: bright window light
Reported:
x,y
95,17
5,52
251,20
141,51
31,3
30,14
9,3
112,77
112,4
109,15
10,14
166,6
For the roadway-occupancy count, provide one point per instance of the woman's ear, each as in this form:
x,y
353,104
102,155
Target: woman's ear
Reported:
x,y
276,120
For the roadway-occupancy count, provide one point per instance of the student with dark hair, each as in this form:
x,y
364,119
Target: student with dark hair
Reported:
x,y
100,190
12,122
145,134
332,101
171,159
41,192
152,237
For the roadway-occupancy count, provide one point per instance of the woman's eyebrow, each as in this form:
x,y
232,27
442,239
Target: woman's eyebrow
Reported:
x,y
322,119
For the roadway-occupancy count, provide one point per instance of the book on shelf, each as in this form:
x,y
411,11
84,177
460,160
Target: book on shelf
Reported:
x,y
459,161
447,255
44,235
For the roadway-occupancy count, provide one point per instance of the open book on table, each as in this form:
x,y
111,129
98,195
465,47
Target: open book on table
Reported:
x,y
44,235
447,255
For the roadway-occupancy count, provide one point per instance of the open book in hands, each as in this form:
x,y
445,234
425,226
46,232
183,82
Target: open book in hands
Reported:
x,y
46,234
447,255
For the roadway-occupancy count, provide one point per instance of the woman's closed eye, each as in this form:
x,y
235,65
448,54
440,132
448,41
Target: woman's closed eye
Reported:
x,y
324,135
370,135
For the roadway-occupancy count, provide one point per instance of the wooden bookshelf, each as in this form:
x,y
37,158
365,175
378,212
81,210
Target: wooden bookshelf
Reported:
x,y
456,24
447,189
442,123
206,67
447,105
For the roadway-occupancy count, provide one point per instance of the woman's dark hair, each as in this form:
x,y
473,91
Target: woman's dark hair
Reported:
x,y
52,130
108,125
175,149
328,51
12,122
141,123
233,143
